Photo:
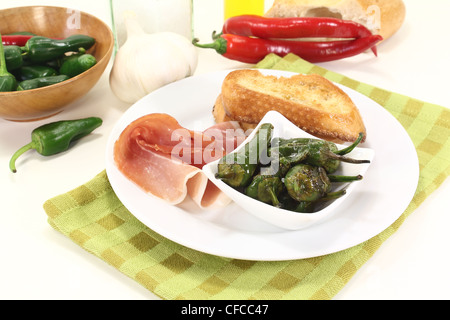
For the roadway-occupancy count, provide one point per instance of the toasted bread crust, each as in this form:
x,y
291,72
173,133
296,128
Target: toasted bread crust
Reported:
x,y
311,102
220,115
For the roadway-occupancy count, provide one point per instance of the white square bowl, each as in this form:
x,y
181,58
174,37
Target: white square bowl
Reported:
x,y
282,218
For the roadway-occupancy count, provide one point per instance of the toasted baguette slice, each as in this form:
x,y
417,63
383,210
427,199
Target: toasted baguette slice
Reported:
x,y
311,102
220,116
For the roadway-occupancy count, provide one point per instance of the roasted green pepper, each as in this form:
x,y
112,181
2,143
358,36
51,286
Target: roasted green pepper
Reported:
x,y
284,158
7,81
13,57
77,64
307,183
297,176
43,49
265,189
290,204
37,71
237,169
41,82
56,137
304,207
319,153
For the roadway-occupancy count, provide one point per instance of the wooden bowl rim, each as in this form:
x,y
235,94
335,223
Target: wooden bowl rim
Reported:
x,y
98,65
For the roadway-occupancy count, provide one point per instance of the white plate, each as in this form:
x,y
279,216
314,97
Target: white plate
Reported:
x,y
380,199
283,128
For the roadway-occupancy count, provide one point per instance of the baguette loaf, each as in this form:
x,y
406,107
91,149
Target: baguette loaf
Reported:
x,y
383,17
311,102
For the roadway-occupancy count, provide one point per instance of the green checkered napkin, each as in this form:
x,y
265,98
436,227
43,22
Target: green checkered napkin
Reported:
x,y
93,217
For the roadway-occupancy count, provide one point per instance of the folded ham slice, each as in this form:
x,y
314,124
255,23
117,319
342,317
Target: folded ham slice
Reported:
x,y
165,159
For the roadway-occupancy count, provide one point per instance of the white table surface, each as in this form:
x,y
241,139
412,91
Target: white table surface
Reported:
x,y
40,263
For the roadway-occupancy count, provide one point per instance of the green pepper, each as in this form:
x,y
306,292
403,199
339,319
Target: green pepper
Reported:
x,y
37,71
7,81
57,63
265,189
237,169
75,65
288,203
43,49
320,153
284,158
41,82
13,57
304,207
56,137
307,183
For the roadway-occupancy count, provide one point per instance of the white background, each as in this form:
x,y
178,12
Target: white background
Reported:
x,y
39,263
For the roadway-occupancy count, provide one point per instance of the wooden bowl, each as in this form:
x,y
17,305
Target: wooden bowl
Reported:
x,y
58,23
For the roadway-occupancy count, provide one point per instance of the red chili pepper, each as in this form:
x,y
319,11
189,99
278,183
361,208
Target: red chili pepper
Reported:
x,y
294,27
252,50
16,40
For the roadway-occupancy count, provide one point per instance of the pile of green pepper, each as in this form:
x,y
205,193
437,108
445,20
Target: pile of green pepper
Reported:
x,y
292,174
44,61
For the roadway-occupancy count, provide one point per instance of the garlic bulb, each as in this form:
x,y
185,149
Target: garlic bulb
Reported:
x,y
148,61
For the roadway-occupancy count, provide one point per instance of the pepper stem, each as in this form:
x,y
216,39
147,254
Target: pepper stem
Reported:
x,y
333,195
219,44
275,201
12,162
335,156
350,148
345,178
216,35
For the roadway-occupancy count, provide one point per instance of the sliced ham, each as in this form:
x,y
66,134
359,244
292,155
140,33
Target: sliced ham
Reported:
x,y
165,159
